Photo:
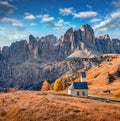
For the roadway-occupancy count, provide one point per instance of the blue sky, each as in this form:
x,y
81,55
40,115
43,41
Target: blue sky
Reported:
x,y
20,18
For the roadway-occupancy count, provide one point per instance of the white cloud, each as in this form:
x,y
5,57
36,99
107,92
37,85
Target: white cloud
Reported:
x,y
5,19
45,18
81,15
85,15
18,24
5,9
111,23
95,20
89,7
61,26
116,3
29,16
66,11
9,35
115,15
33,24
61,23
14,22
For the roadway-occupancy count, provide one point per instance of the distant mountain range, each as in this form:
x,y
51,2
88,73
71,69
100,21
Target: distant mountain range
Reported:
x,y
25,65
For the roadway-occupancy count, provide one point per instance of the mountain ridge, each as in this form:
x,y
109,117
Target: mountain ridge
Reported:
x,y
71,40
24,65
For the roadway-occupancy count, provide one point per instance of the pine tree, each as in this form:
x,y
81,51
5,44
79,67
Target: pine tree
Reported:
x,y
45,86
58,85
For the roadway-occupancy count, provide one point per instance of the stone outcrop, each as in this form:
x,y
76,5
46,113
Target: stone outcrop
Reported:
x,y
73,40
115,46
88,36
103,44
16,53
30,76
33,47
0,54
66,45
46,46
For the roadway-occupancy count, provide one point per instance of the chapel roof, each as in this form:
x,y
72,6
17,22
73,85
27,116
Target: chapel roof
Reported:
x,y
78,85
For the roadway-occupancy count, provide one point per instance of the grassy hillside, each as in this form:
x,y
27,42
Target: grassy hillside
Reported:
x,y
106,75
103,76
35,106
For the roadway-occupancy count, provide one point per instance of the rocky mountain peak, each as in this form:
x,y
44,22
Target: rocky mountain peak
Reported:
x,y
85,27
115,46
46,46
103,44
33,47
106,36
16,53
0,50
49,38
32,41
87,35
68,36
70,30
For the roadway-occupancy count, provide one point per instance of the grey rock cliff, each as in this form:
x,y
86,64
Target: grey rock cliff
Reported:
x,y
88,36
16,53
0,54
33,47
67,44
103,44
115,46
73,40
46,46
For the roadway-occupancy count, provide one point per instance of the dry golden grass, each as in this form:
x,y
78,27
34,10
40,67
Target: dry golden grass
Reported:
x,y
116,94
98,76
37,106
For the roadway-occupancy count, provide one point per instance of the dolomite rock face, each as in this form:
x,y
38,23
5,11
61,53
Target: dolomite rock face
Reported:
x,y
115,46
25,64
88,36
66,45
33,47
18,52
104,44
0,54
47,47
73,40
30,75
